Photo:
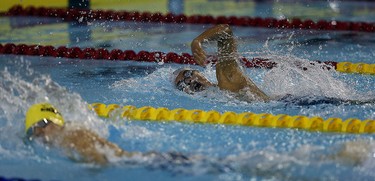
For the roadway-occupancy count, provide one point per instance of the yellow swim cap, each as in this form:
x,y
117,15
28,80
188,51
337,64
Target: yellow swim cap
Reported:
x,y
38,112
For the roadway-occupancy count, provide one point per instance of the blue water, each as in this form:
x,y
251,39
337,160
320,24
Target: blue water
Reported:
x,y
229,152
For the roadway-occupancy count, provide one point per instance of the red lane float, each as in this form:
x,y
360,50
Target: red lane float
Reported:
x,y
135,16
116,54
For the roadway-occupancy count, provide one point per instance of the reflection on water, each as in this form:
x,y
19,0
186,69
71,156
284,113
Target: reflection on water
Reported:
x,y
79,32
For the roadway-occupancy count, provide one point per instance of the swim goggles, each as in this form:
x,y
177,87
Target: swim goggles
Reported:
x,y
189,86
40,124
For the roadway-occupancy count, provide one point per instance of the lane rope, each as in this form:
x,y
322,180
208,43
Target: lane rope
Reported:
x,y
360,68
81,16
266,120
170,57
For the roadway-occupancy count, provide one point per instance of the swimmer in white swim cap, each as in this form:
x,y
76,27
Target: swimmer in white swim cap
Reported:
x,y
228,73
190,81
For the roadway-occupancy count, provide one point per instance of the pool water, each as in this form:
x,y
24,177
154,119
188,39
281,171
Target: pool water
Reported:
x,y
229,152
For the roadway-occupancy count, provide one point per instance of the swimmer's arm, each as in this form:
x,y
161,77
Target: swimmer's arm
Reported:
x,y
220,33
233,79
353,152
80,146
118,151
229,74
87,145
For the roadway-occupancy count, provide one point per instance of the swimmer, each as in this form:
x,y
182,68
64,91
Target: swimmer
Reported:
x,y
45,123
231,78
228,73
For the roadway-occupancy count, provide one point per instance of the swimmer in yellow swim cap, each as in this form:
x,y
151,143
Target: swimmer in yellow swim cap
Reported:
x,y
43,121
39,116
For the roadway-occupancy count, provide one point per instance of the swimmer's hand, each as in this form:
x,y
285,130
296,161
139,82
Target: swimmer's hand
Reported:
x,y
198,52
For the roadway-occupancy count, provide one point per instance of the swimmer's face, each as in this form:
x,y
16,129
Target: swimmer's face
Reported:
x,y
43,128
191,81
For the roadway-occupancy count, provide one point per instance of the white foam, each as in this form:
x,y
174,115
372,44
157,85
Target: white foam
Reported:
x,y
17,94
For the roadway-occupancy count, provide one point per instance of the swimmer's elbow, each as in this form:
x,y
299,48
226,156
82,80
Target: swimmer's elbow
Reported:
x,y
225,28
196,41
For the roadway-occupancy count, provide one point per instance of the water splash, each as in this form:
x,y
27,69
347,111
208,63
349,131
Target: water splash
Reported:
x,y
290,78
158,81
17,95
301,77
21,89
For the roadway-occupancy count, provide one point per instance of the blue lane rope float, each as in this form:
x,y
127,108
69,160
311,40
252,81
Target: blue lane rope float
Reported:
x,y
351,125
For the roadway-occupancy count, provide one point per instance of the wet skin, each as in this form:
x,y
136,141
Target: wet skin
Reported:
x,y
228,73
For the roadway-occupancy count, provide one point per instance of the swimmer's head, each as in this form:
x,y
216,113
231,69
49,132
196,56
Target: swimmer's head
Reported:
x,y
190,81
40,116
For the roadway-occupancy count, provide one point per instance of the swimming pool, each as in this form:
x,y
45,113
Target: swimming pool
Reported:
x,y
232,152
